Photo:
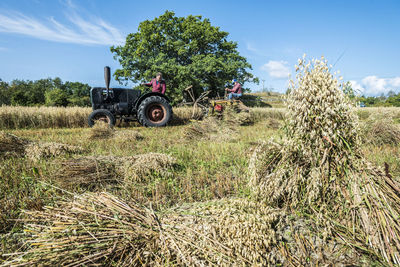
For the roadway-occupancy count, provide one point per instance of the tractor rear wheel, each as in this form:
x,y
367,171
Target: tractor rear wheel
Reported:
x,y
101,115
154,111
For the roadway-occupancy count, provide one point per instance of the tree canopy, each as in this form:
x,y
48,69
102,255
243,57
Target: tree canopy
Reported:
x,y
186,50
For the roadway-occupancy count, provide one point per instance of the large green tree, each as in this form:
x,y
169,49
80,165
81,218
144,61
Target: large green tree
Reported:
x,y
187,50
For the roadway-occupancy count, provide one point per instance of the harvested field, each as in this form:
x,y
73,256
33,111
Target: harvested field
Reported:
x,y
297,186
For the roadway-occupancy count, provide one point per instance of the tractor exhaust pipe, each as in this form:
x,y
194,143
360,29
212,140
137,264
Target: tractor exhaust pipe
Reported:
x,y
107,78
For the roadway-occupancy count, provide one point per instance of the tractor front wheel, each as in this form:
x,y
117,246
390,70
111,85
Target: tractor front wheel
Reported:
x,y
154,111
101,115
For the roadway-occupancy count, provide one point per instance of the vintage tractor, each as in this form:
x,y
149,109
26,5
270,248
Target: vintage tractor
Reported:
x,y
112,104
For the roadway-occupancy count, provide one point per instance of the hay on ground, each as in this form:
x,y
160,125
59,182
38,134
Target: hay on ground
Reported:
x,y
382,132
91,171
86,171
128,135
91,230
211,128
101,130
139,168
97,228
235,116
12,145
241,232
37,151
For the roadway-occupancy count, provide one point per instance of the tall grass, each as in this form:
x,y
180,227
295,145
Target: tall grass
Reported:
x,y
15,117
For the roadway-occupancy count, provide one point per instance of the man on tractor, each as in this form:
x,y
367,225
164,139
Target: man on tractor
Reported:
x,y
236,91
158,84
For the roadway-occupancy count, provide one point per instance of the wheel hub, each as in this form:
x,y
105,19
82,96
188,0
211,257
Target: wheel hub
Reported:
x,y
156,113
102,118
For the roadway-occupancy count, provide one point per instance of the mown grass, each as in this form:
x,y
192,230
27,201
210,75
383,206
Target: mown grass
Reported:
x,y
205,169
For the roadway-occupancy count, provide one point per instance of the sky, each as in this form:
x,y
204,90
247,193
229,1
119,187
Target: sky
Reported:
x,y
71,39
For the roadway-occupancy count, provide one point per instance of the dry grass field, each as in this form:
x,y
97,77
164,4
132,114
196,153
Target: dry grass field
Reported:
x,y
317,183
161,168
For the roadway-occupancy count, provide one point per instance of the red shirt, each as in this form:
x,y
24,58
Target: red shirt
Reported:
x,y
158,86
237,89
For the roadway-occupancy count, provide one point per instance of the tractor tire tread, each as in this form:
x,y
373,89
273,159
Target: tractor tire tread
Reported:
x,y
141,110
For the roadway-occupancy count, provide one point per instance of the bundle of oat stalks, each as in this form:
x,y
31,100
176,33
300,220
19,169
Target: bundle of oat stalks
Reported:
x,y
101,130
320,171
104,169
99,229
92,229
12,145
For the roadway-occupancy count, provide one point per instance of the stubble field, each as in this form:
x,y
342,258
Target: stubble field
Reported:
x,y
156,168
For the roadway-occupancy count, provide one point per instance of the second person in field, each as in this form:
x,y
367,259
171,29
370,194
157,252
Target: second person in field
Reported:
x,y
236,91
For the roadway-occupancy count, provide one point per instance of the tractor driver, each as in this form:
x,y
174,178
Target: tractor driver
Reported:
x,y
158,84
236,91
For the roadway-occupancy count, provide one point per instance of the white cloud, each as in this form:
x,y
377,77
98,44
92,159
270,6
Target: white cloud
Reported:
x,y
277,69
356,86
395,82
374,86
80,31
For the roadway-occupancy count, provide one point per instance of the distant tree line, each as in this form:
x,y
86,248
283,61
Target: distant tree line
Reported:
x,y
49,92
391,99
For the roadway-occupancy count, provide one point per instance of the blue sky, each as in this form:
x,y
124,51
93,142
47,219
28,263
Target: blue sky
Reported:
x,y
70,39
